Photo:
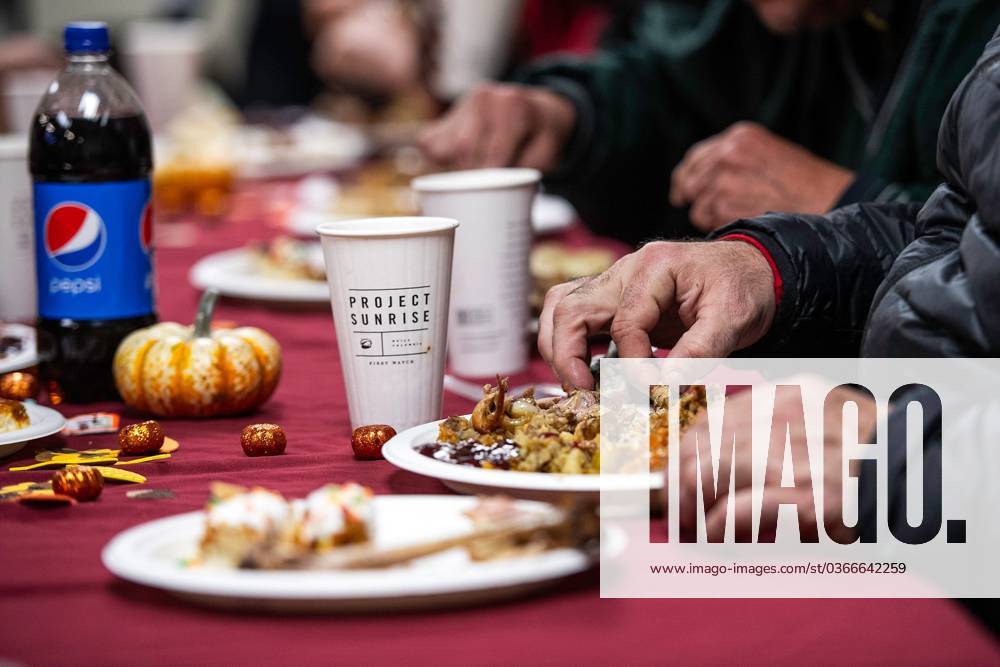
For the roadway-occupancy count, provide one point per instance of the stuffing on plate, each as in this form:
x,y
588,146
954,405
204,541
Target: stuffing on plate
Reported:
x,y
289,259
560,435
13,416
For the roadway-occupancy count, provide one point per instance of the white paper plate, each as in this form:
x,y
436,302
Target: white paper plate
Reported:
x,y
307,147
549,214
151,554
44,421
400,451
28,356
233,273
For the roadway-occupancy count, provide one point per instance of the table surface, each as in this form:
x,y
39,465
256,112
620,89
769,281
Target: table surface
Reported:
x,y
61,607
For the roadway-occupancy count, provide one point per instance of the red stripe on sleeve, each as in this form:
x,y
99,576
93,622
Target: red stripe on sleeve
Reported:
x,y
779,286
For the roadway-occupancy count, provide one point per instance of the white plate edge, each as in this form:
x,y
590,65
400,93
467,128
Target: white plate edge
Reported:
x,y
203,272
531,569
399,451
47,420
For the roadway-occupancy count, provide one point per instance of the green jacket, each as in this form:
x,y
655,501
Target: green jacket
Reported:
x,y
865,95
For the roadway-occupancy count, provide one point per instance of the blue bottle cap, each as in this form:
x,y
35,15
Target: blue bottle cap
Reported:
x,y
86,37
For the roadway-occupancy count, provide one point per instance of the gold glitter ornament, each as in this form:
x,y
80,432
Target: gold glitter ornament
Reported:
x,y
367,441
18,386
142,438
263,440
80,482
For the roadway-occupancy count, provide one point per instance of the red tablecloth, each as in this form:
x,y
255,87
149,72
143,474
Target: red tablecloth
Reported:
x,y
59,606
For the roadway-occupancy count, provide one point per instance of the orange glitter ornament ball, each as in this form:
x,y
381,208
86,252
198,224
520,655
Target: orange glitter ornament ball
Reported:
x,y
18,386
142,438
263,440
367,441
81,482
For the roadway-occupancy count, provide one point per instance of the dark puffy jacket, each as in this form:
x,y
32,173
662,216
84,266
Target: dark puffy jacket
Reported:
x,y
899,280
895,280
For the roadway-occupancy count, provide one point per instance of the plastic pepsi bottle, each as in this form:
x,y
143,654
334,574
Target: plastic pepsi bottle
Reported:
x,y
90,161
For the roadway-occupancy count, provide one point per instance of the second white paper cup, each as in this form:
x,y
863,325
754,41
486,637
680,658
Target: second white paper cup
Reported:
x,y
390,280
490,285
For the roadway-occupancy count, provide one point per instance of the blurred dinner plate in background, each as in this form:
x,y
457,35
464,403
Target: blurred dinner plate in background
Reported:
x,y
308,146
235,273
24,350
551,214
44,421
154,554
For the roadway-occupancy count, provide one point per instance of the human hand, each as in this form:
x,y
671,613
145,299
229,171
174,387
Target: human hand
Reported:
x,y
746,171
786,407
501,125
700,299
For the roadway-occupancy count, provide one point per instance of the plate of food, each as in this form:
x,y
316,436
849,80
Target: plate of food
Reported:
x,y
284,270
17,347
551,213
378,190
532,448
307,146
341,549
23,422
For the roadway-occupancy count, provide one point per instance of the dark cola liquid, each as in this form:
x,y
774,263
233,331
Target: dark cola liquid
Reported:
x,y
77,355
75,150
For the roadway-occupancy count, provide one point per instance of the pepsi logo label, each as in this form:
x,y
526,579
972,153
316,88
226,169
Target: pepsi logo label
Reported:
x,y
75,236
146,228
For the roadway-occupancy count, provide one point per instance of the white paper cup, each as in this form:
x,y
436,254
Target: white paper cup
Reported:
x,y
17,233
490,285
390,279
163,61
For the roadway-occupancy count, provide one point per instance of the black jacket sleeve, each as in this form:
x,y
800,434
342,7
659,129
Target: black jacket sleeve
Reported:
x,y
642,103
830,266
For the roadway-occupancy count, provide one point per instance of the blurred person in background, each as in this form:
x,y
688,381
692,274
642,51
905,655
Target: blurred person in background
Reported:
x,y
441,49
725,109
446,45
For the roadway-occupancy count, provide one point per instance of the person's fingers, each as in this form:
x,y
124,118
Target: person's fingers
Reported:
x,y
585,311
729,195
647,295
692,170
541,151
737,149
703,215
719,165
509,125
721,513
438,141
738,194
682,171
552,297
728,209
741,503
711,336
471,135
454,140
